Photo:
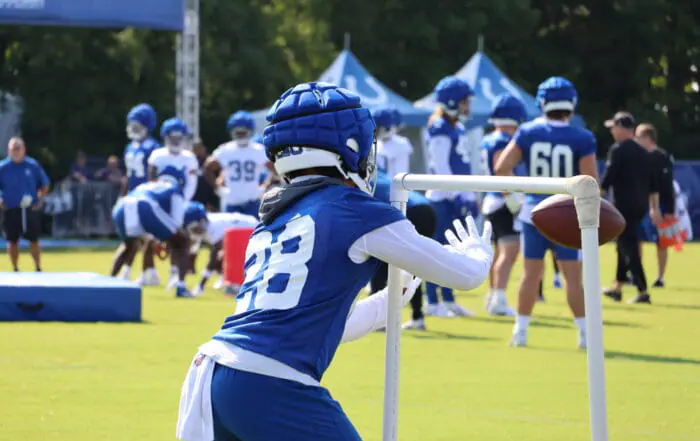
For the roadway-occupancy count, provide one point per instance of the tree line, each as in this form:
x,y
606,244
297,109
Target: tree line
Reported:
x,y
77,84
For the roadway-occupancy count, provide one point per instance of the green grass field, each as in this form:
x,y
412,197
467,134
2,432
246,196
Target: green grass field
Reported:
x,y
460,380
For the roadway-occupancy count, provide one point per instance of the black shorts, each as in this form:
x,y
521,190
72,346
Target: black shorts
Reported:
x,y
13,228
502,222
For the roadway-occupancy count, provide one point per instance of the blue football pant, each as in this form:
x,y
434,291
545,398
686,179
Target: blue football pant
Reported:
x,y
252,407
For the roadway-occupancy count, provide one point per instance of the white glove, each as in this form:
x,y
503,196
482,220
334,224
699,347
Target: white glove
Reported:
x,y
513,202
469,242
26,201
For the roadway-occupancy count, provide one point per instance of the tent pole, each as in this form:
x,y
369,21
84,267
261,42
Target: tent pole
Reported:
x,y
480,43
346,41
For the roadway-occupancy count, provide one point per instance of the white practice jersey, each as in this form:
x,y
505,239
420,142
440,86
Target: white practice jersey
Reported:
x,y
182,166
243,169
394,155
220,222
682,210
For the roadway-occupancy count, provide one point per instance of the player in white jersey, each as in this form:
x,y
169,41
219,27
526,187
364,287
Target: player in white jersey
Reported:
x,y
177,161
238,168
218,224
393,151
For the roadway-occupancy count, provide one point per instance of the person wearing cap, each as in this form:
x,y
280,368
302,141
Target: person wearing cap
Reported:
x,y
630,177
23,184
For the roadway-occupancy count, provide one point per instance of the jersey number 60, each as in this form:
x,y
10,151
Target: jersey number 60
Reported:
x,y
547,161
276,268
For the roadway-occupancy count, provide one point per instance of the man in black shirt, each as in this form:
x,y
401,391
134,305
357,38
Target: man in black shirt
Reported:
x,y
630,177
663,166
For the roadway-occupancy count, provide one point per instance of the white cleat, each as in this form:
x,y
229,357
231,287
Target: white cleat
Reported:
x,y
219,284
582,343
458,310
438,310
414,325
172,281
499,306
519,339
197,290
124,275
150,279
487,300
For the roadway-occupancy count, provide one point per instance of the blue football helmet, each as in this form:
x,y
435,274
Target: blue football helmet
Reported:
x,y
557,93
450,92
195,221
175,134
507,111
385,121
322,125
398,119
140,121
241,126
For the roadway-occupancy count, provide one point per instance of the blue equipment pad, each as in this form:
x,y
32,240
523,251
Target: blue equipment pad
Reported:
x,y
68,297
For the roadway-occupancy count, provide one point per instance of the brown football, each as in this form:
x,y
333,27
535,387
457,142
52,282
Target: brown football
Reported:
x,y
555,217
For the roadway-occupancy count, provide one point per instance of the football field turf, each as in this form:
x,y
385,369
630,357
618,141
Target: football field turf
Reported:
x,y
459,380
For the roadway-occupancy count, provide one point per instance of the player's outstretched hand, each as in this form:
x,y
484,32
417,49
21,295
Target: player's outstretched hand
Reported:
x,y
468,241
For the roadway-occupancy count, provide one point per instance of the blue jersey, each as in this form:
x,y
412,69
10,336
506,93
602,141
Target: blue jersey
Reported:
x,y
136,157
20,179
160,192
299,280
491,144
552,149
383,189
459,159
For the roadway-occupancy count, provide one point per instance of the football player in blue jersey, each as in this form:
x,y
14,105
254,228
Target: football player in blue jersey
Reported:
x,y
449,154
507,114
157,210
320,239
549,147
141,121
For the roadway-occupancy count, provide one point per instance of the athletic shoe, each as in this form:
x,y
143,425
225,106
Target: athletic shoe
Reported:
x,y
458,310
499,306
438,310
613,294
582,343
659,283
519,339
183,292
414,325
641,298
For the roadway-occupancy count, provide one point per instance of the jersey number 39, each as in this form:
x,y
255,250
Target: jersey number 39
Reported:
x,y
276,267
548,161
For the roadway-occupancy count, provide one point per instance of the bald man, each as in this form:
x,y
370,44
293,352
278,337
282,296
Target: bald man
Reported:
x,y
23,184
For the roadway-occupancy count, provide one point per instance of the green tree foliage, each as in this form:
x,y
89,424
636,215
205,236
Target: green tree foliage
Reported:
x,y
77,84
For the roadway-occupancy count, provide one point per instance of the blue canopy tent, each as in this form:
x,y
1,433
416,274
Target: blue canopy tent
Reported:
x,y
347,71
488,83
151,14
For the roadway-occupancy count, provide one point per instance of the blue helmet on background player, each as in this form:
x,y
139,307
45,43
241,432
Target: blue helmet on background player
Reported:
x,y
241,126
507,111
175,134
140,121
385,121
557,93
452,95
195,221
398,119
322,125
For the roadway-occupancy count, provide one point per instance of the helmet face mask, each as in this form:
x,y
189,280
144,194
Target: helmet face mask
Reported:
x,y
241,135
176,141
135,131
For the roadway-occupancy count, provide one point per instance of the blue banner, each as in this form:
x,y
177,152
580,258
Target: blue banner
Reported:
x,y
151,14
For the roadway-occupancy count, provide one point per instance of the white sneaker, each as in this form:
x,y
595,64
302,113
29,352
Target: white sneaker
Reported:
x,y
438,310
150,279
499,306
458,310
414,325
519,338
124,275
197,290
487,300
582,343
172,281
219,284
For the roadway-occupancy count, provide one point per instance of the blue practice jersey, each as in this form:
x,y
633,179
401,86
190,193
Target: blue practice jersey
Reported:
x,y
299,280
459,160
160,192
383,189
136,157
552,149
491,144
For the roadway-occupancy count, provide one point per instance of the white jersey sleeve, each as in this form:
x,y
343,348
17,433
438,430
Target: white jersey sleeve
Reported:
x,y
191,169
400,244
